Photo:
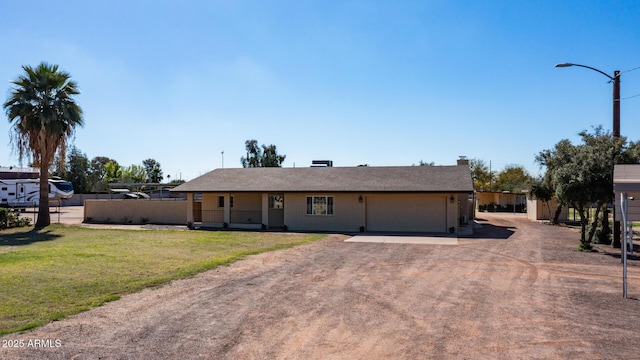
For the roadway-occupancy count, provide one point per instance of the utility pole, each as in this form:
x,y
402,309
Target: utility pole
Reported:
x,y
490,178
616,104
615,132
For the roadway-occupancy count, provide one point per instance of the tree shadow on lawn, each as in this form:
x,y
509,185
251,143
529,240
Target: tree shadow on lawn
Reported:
x,y
27,237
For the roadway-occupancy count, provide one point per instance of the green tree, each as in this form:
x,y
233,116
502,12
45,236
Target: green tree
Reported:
x,y
265,156
572,185
97,173
424,163
582,175
134,174
153,171
254,155
553,159
270,157
112,173
604,151
482,177
59,168
514,179
44,115
78,170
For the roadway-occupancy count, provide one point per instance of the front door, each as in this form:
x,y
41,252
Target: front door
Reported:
x,y
21,196
276,210
197,211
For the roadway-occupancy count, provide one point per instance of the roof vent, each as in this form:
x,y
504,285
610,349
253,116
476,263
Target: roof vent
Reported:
x,y
322,163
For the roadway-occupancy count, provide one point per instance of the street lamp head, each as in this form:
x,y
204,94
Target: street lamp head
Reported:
x,y
564,65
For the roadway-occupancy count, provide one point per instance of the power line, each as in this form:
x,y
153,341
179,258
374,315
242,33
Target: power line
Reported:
x,y
630,70
626,71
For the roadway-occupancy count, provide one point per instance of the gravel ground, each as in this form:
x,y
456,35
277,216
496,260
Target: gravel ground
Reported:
x,y
516,290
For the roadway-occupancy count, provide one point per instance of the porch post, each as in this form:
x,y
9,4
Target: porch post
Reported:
x,y
189,208
227,208
265,209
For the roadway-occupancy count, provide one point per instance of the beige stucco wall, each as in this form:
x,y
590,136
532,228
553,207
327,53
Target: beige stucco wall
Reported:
x,y
348,213
466,206
247,208
136,211
247,201
434,212
485,198
79,199
502,199
211,213
538,210
210,201
453,215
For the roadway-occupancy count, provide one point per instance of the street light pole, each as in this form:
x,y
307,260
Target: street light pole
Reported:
x,y
615,130
616,104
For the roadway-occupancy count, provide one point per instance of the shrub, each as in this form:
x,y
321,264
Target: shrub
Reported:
x,y
10,218
603,236
520,208
585,246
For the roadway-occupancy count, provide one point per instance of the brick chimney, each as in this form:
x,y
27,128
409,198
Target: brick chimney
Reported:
x,y
462,160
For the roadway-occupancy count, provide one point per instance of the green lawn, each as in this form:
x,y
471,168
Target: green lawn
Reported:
x,y
58,271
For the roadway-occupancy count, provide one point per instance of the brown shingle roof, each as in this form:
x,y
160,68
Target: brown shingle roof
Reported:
x,y
334,179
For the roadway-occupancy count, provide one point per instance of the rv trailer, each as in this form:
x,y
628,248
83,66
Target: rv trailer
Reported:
x,y
26,192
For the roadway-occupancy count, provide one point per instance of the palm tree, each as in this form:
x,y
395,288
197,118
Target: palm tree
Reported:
x,y
44,115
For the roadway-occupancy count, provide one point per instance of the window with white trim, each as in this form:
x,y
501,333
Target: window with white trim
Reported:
x,y
319,205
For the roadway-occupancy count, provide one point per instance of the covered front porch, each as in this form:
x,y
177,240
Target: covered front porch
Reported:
x,y
235,210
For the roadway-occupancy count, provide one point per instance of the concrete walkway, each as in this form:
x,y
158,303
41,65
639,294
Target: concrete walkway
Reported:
x,y
425,239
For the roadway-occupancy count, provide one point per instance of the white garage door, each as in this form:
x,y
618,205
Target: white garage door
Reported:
x,y
416,213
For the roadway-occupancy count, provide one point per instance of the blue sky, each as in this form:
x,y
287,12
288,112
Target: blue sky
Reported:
x,y
376,82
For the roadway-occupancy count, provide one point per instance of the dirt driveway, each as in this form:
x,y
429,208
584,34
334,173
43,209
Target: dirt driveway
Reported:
x,y
517,291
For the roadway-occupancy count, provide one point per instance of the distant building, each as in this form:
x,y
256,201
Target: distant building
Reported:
x,y
540,210
500,201
13,173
